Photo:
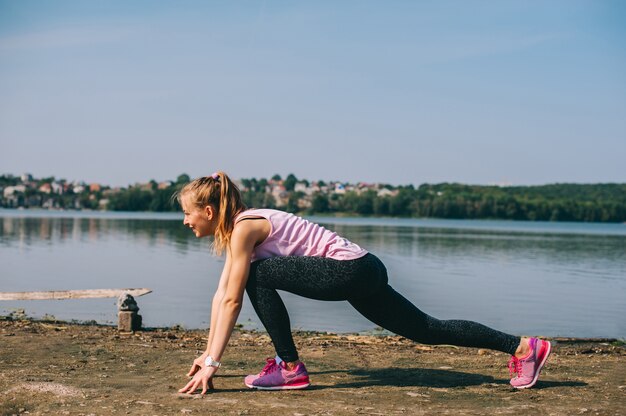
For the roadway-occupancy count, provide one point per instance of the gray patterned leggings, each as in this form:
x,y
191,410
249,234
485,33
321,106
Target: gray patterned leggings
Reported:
x,y
363,283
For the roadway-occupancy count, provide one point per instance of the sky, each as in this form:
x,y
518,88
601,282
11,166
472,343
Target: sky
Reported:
x,y
397,92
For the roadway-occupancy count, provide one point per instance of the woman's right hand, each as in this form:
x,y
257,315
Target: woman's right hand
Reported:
x,y
198,364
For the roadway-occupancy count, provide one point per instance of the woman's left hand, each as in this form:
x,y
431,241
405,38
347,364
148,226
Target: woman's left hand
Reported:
x,y
202,378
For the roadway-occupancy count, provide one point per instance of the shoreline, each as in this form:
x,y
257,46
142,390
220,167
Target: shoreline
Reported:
x,y
375,333
331,216
79,369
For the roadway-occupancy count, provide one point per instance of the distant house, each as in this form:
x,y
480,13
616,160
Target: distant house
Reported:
x,y
305,202
11,190
46,188
280,195
340,189
302,187
165,185
386,192
94,187
57,188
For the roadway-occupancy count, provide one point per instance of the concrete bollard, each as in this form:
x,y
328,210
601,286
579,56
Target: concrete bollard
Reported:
x,y
128,318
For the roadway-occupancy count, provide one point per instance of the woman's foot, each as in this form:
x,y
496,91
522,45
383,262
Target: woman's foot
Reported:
x,y
269,365
528,362
279,377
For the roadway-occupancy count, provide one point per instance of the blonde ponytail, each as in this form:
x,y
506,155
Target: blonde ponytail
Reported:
x,y
220,192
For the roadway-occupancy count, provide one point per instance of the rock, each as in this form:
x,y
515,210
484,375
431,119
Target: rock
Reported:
x,y
128,321
127,303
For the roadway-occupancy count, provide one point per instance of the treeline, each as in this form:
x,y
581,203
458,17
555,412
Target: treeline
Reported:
x,y
557,202
147,197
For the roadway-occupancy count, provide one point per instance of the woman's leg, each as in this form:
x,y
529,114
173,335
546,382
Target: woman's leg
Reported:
x,y
363,282
312,277
273,315
394,312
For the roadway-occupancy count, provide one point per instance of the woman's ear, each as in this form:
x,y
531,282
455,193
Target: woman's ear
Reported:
x,y
209,211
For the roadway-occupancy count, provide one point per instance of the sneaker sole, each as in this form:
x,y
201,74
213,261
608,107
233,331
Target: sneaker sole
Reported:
x,y
283,387
543,361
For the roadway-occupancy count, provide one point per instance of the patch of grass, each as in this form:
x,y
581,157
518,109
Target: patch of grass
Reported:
x,y
14,407
18,314
49,318
619,343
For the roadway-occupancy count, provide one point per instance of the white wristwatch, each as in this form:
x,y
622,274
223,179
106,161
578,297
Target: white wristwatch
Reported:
x,y
210,362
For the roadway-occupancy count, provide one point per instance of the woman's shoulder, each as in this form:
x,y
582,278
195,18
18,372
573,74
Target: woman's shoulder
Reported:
x,y
260,212
255,228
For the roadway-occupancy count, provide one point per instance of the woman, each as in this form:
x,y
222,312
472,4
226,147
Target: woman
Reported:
x,y
269,250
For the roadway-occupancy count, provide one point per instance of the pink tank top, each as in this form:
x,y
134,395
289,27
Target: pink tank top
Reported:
x,y
291,235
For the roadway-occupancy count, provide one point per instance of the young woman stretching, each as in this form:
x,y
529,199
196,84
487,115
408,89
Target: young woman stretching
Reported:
x,y
269,250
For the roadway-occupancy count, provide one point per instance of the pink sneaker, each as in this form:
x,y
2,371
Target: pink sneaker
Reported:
x,y
529,367
277,377
271,363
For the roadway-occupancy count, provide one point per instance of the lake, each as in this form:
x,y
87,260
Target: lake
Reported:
x,y
531,278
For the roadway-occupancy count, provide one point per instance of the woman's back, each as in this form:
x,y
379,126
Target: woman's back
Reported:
x,y
291,235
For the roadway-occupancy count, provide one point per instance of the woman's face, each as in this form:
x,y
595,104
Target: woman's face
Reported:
x,y
200,220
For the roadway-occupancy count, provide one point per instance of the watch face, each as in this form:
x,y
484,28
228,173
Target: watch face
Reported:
x,y
210,362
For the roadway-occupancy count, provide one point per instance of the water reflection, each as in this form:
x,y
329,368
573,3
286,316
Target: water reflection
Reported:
x,y
602,254
36,231
562,283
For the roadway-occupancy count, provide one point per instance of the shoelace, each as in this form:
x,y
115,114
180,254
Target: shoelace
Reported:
x,y
271,362
515,366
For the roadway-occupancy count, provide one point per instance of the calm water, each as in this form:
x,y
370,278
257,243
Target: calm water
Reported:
x,y
554,279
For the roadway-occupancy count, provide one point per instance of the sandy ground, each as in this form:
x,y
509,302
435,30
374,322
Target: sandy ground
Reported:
x,y
64,369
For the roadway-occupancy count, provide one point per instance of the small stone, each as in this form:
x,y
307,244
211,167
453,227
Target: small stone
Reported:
x,y
128,321
185,411
127,302
483,352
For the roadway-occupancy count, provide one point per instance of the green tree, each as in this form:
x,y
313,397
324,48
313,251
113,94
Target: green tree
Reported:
x,y
292,202
290,182
183,179
320,204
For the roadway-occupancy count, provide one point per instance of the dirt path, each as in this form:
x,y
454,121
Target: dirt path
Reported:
x,y
63,369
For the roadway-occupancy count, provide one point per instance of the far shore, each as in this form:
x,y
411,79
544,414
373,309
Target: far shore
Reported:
x,y
40,212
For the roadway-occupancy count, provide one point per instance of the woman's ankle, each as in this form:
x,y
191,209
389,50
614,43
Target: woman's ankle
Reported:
x,y
290,366
523,349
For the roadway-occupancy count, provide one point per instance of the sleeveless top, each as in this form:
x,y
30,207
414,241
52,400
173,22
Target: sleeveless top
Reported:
x,y
291,235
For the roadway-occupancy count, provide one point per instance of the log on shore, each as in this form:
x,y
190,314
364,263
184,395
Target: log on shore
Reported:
x,y
73,294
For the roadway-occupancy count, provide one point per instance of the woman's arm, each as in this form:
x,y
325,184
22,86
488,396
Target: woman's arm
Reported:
x,y
241,246
243,240
198,363
217,299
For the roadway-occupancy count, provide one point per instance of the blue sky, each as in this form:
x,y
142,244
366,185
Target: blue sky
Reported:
x,y
118,92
